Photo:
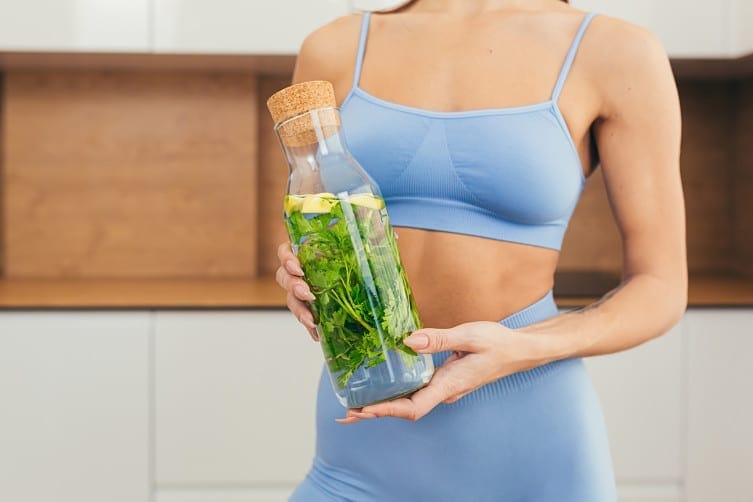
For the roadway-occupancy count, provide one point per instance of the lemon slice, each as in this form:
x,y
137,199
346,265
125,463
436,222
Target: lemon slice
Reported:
x,y
367,200
293,203
318,203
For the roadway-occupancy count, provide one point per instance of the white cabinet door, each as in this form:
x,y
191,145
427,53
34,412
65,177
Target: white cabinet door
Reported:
x,y
720,406
74,418
240,26
235,400
650,492
74,25
687,28
642,391
258,494
741,27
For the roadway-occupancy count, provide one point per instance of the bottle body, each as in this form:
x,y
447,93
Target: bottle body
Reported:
x,y
340,231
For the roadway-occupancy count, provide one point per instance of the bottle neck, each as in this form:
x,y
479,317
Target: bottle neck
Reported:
x,y
311,138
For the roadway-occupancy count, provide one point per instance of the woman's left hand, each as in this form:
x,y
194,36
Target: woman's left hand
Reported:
x,y
481,353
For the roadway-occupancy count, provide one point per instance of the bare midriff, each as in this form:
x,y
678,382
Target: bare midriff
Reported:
x,y
460,278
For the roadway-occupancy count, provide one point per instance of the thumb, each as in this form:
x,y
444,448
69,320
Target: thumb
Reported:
x,y
430,340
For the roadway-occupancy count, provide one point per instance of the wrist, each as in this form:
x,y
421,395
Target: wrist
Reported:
x,y
548,347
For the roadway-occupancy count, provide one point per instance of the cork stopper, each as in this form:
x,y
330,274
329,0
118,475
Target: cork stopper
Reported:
x,y
300,98
305,113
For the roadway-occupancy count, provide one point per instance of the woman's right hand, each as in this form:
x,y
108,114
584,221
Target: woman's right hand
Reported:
x,y
290,277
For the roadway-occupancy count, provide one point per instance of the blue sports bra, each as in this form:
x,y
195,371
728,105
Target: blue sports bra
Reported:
x,y
511,174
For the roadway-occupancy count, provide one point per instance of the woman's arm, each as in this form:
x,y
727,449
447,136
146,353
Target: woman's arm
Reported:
x,y
638,138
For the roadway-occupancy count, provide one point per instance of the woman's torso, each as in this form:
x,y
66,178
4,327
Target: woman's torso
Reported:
x,y
497,59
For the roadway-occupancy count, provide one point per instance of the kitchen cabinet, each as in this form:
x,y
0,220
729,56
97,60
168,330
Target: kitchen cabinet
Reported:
x,y
741,28
224,495
74,25
239,26
687,28
218,406
74,425
234,399
648,492
642,395
720,405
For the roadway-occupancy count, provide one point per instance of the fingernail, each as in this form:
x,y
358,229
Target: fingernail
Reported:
x,y
346,420
295,268
417,341
302,292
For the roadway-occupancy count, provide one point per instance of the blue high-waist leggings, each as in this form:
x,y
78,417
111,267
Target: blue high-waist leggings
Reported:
x,y
534,436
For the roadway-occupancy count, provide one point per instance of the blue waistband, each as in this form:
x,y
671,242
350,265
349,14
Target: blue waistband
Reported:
x,y
541,309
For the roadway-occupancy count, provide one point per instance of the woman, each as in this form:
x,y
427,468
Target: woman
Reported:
x,y
480,120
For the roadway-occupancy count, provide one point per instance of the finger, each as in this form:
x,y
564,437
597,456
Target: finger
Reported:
x,y
294,284
283,250
430,341
283,278
359,413
313,333
454,356
302,291
288,259
347,420
398,408
354,415
293,266
456,397
417,405
301,311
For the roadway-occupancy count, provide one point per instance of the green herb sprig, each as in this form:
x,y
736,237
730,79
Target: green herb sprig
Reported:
x,y
363,306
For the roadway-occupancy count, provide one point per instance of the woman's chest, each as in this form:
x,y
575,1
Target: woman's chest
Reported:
x,y
518,164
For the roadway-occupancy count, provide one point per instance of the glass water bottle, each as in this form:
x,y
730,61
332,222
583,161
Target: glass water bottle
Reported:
x,y
340,231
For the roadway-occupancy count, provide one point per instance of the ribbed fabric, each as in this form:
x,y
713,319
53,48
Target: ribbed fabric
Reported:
x,y
537,311
511,174
534,436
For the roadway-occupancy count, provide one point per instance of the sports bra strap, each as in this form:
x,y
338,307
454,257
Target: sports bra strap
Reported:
x,y
361,47
571,56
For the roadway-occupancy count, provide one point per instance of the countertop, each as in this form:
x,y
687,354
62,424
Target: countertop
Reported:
x,y
263,293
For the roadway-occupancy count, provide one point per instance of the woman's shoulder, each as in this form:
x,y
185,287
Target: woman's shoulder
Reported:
x,y
623,39
621,56
329,52
621,47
